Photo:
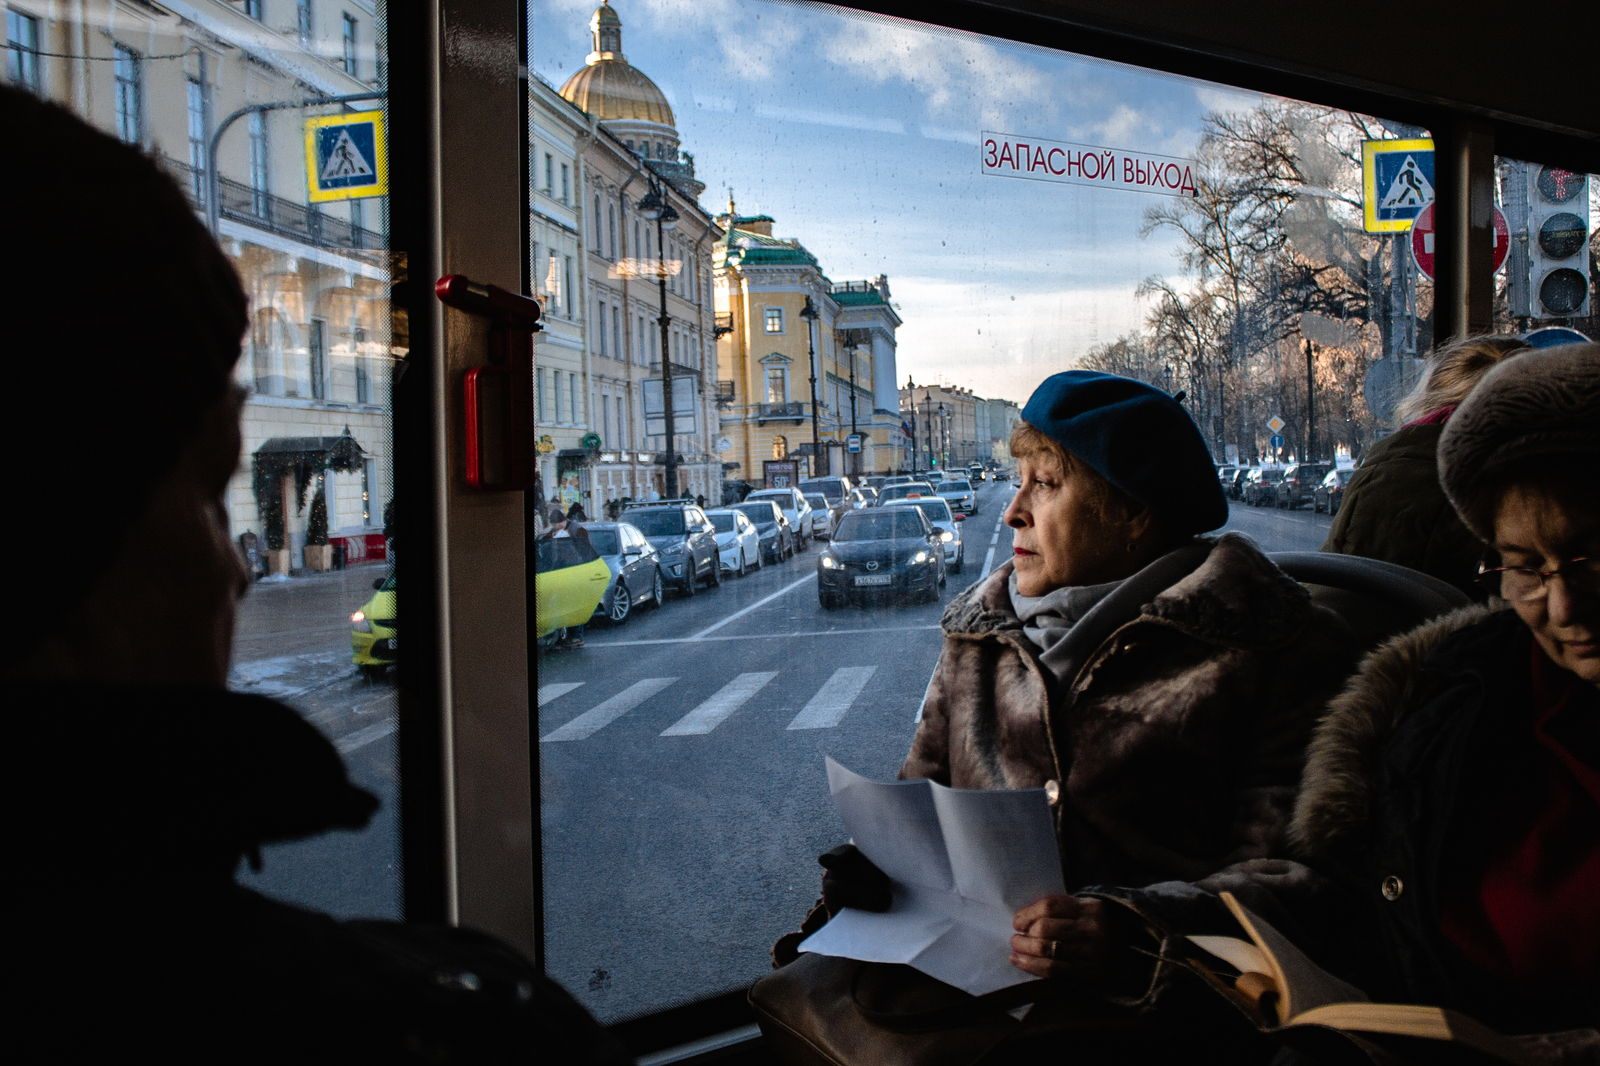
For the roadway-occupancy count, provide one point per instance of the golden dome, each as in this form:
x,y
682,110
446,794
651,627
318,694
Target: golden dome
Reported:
x,y
608,87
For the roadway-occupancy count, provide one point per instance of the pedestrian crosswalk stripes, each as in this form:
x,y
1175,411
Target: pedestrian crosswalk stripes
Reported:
x,y
550,692
597,718
716,710
825,710
834,698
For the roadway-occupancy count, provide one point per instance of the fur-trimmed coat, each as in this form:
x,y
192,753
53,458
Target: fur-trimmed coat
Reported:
x,y
1176,748
1405,769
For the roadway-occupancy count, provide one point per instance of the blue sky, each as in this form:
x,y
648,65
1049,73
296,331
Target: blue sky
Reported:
x,y
859,134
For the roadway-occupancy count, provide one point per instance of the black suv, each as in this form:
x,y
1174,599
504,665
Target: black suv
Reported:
x,y
686,539
1299,484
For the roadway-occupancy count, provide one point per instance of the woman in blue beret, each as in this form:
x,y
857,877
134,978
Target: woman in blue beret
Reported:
x,y
1159,684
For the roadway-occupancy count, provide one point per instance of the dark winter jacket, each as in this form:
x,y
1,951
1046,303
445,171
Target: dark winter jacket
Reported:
x,y
135,940
1394,509
1400,781
1177,747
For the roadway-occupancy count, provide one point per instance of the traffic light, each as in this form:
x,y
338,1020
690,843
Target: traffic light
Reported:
x,y
1558,243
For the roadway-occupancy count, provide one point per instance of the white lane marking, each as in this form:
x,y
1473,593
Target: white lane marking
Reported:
x,y
550,692
598,717
753,636
364,736
827,708
996,538
746,610
714,711
988,561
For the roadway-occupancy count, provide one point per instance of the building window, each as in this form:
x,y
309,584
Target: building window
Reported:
x,y
349,44
572,387
601,332
252,8
549,174
197,139
539,393
622,424
568,290
317,344
363,379
302,20
777,392
616,331
611,219
774,320
22,57
605,420
260,160
129,102
780,447
555,378
566,183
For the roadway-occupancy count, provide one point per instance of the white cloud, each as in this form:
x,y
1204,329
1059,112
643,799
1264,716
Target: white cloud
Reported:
x,y
940,133
1001,344
1222,98
831,118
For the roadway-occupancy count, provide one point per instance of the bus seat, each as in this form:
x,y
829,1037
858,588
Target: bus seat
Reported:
x,y
1377,599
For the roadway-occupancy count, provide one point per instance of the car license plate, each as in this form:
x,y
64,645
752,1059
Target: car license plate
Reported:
x,y
875,579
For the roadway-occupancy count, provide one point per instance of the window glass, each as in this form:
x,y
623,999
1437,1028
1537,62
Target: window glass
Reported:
x,y
309,504
658,523
990,213
723,522
605,541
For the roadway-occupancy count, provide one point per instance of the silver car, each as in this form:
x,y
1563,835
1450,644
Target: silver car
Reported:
x,y
959,494
635,569
795,508
947,525
824,515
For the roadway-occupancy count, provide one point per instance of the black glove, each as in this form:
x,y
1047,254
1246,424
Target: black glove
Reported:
x,y
850,880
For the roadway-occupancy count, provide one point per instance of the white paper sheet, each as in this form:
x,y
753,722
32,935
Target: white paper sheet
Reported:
x,y
960,862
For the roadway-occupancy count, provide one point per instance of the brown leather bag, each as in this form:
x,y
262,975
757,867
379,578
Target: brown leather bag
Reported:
x,y
825,1011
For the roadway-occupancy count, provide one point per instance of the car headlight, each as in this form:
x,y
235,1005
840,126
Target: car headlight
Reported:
x,y
828,563
947,537
675,549
359,623
920,557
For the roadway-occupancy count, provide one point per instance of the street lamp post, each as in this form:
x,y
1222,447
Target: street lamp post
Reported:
x,y
655,208
927,413
911,388
853,431
809,313
944,437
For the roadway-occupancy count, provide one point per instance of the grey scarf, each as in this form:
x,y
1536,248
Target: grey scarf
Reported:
x,y
1068,624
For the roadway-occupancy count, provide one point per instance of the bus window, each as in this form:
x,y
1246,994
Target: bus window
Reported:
x,y
937,220
295,195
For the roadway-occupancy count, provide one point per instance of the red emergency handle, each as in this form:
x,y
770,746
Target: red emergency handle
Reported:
x,y
497,400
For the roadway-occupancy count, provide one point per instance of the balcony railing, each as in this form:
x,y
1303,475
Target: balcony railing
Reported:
x,y
724,393
780,412
724,324
275,214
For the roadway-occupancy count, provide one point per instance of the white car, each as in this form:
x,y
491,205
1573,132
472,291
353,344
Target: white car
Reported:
x,y
948,526
959,494
794,508
863,497
823,516
738,543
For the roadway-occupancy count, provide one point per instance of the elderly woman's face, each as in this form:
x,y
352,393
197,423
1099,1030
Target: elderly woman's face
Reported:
x,y
1535,528
1061,537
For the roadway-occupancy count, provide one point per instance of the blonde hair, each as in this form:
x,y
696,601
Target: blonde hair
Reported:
x,y
1030,442
1452,371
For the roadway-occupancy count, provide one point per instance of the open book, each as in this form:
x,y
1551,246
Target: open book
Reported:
x,y
1278,979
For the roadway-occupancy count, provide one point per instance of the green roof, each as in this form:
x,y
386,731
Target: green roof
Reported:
x,y
857,299
755,249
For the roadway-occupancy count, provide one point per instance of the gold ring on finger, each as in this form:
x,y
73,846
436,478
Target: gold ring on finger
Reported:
x,y
1055,946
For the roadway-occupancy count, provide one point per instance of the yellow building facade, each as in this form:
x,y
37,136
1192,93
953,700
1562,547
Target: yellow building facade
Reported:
x,y
776,367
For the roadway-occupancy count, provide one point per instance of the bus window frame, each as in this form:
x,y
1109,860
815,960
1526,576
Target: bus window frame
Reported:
x,y
467,784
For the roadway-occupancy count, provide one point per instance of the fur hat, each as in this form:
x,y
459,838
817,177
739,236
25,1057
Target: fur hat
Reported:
x,y
1534,405
1136,437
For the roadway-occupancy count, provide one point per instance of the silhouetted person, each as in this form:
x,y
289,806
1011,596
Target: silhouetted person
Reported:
x,y
149,780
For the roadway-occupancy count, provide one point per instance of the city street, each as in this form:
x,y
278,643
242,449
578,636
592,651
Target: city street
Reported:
x,y
683,794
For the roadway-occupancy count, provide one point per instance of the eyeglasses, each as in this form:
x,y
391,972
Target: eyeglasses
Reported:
x,y
1524,584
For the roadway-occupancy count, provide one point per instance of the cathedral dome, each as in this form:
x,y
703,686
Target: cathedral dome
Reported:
x,y
608,87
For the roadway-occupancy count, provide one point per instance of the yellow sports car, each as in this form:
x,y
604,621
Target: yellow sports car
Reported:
x,y
570,580
373,644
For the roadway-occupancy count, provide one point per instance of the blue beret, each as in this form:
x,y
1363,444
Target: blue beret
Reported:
x,y
1138,438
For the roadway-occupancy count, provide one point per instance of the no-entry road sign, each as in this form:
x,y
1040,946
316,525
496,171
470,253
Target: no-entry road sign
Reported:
x,y
1422,240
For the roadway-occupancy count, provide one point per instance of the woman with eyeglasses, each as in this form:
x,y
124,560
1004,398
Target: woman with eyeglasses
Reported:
x,y
1447,829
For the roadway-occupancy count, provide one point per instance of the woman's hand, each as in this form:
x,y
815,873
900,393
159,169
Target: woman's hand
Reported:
x,y
849,879
1066,936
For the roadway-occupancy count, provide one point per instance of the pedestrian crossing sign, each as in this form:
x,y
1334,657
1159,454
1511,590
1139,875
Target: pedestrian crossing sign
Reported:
x,y
1397,183
346,157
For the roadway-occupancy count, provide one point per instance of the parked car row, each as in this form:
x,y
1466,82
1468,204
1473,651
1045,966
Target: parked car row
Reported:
x,y
1319,484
